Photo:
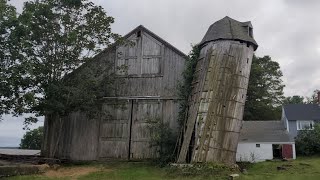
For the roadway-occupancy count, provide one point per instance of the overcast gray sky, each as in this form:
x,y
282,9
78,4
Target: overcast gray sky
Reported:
x,y
287,30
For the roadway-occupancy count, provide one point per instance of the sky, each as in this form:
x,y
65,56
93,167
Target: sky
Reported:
x,y
286,30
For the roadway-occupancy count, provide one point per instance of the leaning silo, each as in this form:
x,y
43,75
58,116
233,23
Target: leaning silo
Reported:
x,y
219,92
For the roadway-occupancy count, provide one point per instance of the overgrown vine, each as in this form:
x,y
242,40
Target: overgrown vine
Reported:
x,y
185,86
163,137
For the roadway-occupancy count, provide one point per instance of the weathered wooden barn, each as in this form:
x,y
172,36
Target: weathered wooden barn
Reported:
x,y
148,92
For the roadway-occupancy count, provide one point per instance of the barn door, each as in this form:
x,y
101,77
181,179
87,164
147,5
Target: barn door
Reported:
x,y
114,130
143,112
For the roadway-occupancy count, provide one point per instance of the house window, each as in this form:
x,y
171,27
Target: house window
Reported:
x,y
257,145
305,125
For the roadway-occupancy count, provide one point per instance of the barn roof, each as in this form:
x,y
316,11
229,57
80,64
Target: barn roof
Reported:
x,y
302,111
229,29
142,28
264,131
115,44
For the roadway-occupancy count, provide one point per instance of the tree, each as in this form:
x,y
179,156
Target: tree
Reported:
x,y
308,141
294,100
54,37
265,90
313,99
8,21
32,139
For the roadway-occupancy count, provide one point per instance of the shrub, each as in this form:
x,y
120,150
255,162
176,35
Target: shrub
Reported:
x,y
32,139
163,138
308,141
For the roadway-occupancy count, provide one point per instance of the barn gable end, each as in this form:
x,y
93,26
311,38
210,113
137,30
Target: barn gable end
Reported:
x,y
146,90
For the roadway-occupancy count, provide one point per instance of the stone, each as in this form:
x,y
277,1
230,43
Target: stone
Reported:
x,y
234,176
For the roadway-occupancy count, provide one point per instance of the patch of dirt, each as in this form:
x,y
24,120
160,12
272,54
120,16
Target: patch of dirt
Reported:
x,y
72,172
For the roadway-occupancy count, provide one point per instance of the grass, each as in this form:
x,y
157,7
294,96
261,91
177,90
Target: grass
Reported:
x,y
303,168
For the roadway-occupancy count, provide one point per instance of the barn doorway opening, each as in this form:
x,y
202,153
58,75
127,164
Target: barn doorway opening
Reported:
x,y
277,151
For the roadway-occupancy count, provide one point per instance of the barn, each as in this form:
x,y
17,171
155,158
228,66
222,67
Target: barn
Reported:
x,y
148,91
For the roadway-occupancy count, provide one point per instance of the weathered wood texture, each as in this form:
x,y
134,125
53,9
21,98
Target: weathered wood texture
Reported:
x,y
78,137
217,101
151,73
146,90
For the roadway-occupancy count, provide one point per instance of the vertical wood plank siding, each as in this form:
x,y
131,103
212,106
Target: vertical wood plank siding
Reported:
x,y
218,102
121,132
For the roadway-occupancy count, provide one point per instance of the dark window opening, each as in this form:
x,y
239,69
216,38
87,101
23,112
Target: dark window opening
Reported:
x,y
247,60
139,34
257,145
250,32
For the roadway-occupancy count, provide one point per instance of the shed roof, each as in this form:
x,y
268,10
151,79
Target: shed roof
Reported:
x,y
229,29
302,111
264,131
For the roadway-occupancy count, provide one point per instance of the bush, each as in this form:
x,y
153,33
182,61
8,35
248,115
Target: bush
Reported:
x,y
32,139
308,141
163,138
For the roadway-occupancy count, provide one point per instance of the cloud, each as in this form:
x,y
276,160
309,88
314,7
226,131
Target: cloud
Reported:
x,y
11,130
287,30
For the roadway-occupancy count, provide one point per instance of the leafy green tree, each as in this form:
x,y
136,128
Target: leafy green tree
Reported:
x,y
308,141
294,100
8,21
313,99
265,90
32,139
54,37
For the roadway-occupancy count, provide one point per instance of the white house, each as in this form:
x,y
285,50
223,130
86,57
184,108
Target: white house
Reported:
x,y
264,140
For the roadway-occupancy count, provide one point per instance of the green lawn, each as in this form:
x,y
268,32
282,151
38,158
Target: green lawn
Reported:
x,y
302,168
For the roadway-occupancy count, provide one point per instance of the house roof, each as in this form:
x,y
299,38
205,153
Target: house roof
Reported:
x,y
302,111
142,28
229,29
264,131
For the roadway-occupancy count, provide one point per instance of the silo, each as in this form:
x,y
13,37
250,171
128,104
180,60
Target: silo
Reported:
x,y
219,91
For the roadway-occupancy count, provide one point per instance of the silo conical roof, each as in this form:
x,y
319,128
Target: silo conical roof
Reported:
x,y
230,29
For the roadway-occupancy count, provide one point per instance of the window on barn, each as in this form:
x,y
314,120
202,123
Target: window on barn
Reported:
x,y
305,125
126,61
151,55
142,58
257,145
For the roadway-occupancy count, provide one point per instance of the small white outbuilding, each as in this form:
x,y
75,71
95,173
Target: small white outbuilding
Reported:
x,y
264,140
